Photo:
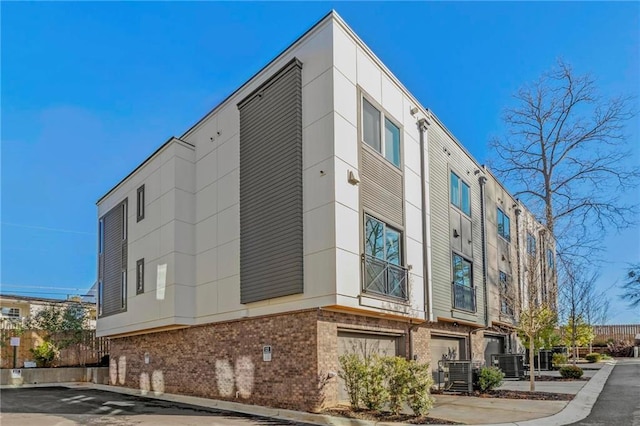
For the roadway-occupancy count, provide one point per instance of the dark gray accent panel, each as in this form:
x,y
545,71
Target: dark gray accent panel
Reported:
x,y
271,220
113,260
381,186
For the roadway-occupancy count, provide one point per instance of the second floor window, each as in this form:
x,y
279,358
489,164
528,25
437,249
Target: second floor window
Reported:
x,y
460,194
550,259
140,276
531,244
384,273
11,312
504,225
140,204
380,133
506,298
464,296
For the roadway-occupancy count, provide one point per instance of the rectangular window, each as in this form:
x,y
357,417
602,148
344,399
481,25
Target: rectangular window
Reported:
x,y
100,297
140,276
11,312
124,289
464,296
140,204
124,221
386,142
531,244
101,236
505,295
460,194
550,259
504,225
384,273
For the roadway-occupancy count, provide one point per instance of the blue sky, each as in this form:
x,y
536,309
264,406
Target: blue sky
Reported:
x,y
89,90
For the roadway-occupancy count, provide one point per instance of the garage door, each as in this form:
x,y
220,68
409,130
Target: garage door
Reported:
x,y
365,344
446,348
492,345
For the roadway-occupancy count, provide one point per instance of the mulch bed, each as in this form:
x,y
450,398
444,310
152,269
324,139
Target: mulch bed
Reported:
x,y
381,416
555,379
511,394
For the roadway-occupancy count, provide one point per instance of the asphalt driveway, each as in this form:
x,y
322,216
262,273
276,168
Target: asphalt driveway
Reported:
x,y
62,406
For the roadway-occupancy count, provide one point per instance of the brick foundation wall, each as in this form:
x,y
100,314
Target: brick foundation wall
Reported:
x,y
223,360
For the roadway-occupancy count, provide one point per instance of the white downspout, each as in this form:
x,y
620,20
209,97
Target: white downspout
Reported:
x,y
423,125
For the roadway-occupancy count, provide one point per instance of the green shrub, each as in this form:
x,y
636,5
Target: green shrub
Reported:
x,y
490,378
398,382
605,357
419,398
44,354
352,371
593,357
558,359
374,391
571,372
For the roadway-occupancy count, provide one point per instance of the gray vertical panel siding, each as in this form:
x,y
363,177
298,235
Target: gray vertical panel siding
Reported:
x,y
113,261
381,186
443,218
271,219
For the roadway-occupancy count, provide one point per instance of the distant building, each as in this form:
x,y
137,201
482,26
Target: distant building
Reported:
x,y
15,309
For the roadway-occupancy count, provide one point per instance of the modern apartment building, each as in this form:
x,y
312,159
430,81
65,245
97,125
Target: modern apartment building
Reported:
x,y
319,209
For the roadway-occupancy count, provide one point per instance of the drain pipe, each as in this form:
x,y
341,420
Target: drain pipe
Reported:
x,y
483,218
423,125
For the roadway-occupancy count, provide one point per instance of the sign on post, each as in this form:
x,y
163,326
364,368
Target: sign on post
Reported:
x,y
15,341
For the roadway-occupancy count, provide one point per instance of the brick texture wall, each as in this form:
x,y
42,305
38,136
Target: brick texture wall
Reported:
x,y
223,360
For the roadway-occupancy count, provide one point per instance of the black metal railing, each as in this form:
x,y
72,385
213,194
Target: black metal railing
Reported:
x,y
385,278
464,297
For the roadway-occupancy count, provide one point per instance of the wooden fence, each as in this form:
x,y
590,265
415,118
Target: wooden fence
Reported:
x,y
90,350
626,332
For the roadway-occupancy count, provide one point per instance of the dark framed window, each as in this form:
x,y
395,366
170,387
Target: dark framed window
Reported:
x,y
140,204
551,263
124,220
504,225
384,273
100,297
531,244
380,133
506,305
460,194
124,289
11,312
464,294
101,236
140,276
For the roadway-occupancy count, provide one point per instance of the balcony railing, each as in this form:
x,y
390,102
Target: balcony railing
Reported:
x,y
464,297
385,278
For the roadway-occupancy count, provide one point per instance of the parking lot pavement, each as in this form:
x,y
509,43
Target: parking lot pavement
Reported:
x,y
62,406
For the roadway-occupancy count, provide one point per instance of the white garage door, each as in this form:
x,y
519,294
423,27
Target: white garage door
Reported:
x,y
446,348
365,344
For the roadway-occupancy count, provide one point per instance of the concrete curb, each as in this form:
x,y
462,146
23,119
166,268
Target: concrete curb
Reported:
x,y
577,409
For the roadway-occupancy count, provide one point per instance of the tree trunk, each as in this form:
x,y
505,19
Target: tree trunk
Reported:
x,y
532,380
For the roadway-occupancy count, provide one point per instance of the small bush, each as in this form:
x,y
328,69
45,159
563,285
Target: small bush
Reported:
x,y
44,354
399,382
419,398
374,391
592,357
353,372
605,357
558,359
620,348
571,372
490,378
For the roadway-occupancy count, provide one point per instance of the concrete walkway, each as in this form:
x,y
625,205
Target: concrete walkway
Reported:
x,y
462,409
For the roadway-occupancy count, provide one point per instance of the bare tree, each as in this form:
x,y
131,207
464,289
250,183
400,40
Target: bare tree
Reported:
x,y
535,309
564,155
631,286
